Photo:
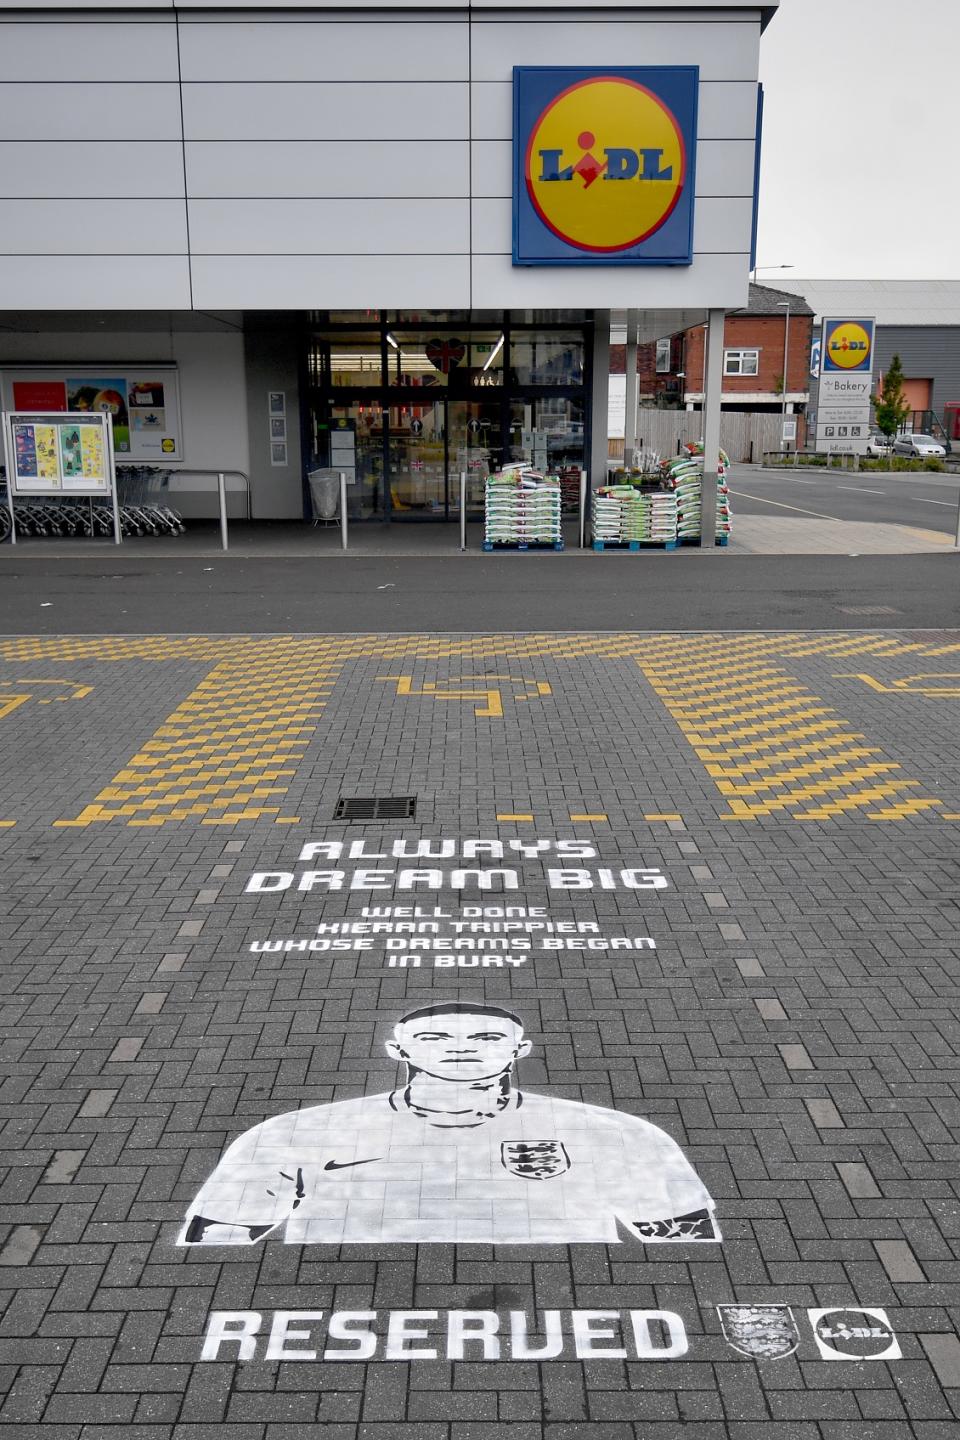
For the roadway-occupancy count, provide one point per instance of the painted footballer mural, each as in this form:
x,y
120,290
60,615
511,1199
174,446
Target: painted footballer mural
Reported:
x,y
457,1153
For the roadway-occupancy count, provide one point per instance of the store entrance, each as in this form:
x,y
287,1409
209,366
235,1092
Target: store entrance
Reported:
x,y
403,405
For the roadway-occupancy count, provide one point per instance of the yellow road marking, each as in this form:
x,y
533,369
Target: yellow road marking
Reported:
x,y
588,817
769,707
663,817
514,817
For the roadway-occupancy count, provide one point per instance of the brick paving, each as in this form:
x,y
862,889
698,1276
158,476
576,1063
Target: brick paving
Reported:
x,y
796,1031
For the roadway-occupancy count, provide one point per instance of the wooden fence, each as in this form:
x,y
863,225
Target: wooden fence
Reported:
x,y
745,437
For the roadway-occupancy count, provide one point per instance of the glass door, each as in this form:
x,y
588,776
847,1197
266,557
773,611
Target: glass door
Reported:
x,y
416,465
474,429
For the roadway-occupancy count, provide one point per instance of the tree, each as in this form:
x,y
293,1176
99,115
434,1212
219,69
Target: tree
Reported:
x,y
890,404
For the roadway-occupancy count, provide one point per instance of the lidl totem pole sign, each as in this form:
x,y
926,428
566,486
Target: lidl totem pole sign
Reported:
x,y
604,165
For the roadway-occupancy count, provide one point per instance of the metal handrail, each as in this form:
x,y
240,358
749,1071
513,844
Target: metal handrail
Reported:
x,y
241,474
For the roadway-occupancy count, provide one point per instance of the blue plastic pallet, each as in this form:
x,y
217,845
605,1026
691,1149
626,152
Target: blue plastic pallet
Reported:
x,y
695,540
634,545
522,545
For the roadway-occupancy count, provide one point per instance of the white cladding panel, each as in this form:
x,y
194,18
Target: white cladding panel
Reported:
x,y
94,227
724,49
372,51
67,168
327,161
344,282
329,227
33,110
317,168
91,282
59,51
422,110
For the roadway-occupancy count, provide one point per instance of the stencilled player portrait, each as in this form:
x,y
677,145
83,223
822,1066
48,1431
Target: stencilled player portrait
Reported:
x,y
460,1152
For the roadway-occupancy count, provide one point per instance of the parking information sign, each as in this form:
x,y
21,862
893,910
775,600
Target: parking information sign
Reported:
x,y
846,382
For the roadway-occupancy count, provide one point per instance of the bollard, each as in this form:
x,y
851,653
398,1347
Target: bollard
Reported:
x,y
463,510
222,495
957,540
583,509
343,509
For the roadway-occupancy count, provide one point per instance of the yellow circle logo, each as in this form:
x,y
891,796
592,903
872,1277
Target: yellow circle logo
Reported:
x,y
167,447
848,346
605,164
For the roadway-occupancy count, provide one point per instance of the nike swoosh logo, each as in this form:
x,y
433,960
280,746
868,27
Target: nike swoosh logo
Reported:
x,y
346,1164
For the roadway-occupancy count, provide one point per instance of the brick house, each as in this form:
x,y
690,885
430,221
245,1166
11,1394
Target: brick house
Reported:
x,y
671,369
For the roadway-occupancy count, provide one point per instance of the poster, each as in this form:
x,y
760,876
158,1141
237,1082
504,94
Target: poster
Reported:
x,y
144,405
108,396
48,459
91,450
39,395
25,448
71,460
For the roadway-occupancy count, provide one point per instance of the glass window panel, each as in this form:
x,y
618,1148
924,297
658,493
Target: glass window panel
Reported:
x,y
548,433
419,358
429,317
344,317
352,358
546,357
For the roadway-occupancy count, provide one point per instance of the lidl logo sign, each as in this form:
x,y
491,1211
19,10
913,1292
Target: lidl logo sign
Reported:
x,y
848,345
603,165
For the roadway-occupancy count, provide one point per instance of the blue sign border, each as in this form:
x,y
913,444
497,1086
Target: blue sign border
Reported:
x,y
534,86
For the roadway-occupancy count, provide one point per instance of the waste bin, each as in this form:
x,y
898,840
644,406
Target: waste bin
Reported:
x,y
324,494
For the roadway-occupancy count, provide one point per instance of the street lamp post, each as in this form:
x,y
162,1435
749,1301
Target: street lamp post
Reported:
x,y
785,306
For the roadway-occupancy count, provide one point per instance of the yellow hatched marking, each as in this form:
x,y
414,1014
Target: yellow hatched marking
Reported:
x,y
221,747
770,709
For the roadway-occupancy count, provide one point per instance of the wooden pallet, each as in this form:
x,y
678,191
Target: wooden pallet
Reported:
x,y
695,540
489,545
634,545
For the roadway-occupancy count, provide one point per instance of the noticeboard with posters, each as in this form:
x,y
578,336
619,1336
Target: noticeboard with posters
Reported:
x,y
142,402
50,453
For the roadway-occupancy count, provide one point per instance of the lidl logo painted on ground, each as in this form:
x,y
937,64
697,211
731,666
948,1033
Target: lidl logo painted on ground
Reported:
x,y
603,165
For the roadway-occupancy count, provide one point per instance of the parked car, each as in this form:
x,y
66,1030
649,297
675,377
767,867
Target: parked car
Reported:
x,y
918,446
879,445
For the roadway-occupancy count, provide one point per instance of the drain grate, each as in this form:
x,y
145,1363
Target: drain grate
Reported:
x,y
376,807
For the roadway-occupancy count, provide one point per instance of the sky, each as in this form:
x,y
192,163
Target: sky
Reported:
x,y
861,170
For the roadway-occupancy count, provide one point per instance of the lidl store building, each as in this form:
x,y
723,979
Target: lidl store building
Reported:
x,y
386,239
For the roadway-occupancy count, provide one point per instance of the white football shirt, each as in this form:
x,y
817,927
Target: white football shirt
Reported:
x,y
541,1171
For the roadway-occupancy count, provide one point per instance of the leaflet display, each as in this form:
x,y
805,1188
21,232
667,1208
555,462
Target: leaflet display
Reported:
x,y
54,453
50,453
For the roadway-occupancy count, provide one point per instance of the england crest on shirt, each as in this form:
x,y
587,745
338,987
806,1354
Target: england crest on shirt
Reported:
x,y
534,1160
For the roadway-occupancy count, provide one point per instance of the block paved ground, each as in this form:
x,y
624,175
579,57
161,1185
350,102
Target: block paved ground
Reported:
x,y
796,1029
